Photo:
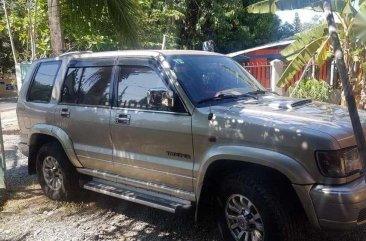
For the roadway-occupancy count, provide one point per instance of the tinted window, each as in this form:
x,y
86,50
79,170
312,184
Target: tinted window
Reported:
x,y
133,85
94,86
42,85
71,85
205,77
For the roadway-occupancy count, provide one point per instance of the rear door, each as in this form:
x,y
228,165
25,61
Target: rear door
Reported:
x,y
150,144
84,111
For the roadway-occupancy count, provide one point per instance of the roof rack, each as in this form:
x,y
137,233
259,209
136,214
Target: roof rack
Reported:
x,y
75,52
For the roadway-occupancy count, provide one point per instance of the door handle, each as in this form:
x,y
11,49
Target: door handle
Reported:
x,y
123,119
65,113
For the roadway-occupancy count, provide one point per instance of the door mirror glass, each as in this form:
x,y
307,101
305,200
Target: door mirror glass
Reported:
x,y
158,97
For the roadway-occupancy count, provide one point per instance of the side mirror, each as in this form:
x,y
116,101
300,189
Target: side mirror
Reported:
x,y
158,97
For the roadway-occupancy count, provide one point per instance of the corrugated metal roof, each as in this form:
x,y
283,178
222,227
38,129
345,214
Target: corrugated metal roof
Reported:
x,y
266,46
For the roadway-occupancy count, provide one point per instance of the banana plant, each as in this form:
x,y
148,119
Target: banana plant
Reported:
x,y
350,14
315,43
271,6
309,44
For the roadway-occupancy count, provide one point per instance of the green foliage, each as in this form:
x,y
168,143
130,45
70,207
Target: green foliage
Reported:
x,y
5,49
100,25
312,89
20,24
344,7
309,44
101,18
297,23
227,23
315,43
160,17
286,30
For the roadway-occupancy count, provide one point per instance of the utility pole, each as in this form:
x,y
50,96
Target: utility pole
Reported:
x,y
347,88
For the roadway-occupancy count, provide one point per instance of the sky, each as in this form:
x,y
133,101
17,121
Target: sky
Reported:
x,y
305,15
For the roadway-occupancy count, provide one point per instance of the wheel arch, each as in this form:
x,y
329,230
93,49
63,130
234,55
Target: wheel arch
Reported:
x,y
262,162
292,169
43,133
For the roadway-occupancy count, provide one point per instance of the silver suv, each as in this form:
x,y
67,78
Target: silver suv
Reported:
x,y
179,129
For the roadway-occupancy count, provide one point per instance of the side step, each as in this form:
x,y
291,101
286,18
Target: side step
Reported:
x,y
138,195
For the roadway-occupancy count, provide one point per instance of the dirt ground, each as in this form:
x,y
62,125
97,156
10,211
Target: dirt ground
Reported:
x,y
29,215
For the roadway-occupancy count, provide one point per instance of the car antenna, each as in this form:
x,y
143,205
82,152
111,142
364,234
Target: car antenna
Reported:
x,y
210,115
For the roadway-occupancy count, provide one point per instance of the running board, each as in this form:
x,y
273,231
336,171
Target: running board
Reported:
x,y
138,195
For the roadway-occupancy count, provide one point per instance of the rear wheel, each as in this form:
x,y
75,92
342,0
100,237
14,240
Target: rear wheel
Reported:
x,y
250,210
56,175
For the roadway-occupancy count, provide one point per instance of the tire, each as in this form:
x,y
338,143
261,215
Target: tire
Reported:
x,y
56,175
266,219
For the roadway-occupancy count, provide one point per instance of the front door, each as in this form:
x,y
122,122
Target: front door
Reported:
x,y
84,113
153,144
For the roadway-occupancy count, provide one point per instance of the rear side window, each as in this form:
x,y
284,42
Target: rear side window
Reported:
x,y
71,85
95,86
44,79
87,86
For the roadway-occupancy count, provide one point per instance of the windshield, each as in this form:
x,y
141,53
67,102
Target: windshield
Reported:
x,y
211,77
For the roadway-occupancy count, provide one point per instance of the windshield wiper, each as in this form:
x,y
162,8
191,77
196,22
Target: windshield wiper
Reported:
x,y
226,97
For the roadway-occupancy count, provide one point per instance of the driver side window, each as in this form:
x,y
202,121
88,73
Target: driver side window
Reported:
x,y
134,84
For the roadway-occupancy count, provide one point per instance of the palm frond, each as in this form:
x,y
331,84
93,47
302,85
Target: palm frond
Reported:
x,y
123,15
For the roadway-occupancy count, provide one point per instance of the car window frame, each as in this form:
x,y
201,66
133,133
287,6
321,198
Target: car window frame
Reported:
x,y
189,95
33,76
90,63
143,62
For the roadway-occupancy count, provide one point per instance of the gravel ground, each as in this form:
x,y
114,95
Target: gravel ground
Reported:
x,y
29,215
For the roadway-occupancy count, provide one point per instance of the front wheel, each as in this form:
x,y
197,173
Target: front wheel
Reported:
x,y
56,175
250,210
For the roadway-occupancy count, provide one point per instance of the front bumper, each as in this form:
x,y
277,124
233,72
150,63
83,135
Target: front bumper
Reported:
x,y
340,207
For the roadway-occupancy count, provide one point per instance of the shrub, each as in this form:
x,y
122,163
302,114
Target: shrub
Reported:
x,y
311,89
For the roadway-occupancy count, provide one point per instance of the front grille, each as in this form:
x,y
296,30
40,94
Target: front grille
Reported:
x,y
362,216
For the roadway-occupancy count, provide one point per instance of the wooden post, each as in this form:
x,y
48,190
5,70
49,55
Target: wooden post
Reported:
x,y
2,163
347,88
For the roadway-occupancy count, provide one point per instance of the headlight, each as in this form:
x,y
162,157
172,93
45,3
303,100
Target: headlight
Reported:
x,y
341,163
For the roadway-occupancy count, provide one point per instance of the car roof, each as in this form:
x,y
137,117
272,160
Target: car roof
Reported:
x,y
148,53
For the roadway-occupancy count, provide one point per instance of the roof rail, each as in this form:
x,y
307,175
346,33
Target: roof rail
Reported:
x,y
75,52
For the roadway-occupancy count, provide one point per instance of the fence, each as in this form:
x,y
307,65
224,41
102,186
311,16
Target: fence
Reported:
x,y
263,73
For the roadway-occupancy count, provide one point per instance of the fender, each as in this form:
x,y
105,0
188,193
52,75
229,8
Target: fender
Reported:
x,y
289,167
61,136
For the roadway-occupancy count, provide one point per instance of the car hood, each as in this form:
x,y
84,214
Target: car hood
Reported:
x,y
283,112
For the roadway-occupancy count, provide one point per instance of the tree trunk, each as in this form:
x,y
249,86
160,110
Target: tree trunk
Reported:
x,y
9,32
57,40
347,88
31,30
